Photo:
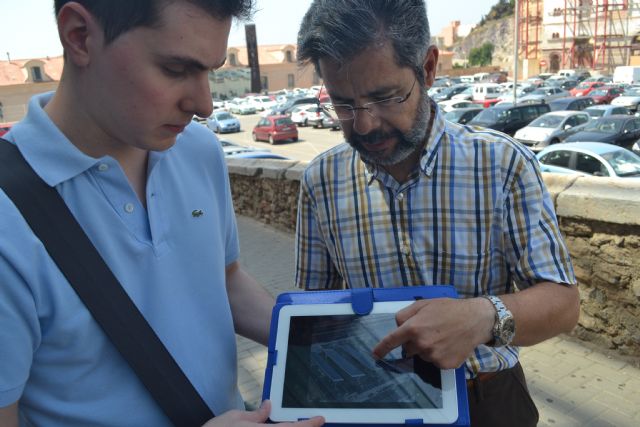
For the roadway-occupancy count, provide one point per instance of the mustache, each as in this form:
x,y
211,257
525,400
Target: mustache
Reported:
x,y
374,137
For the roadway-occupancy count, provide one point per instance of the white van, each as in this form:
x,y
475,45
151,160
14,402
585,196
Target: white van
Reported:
x,y
570,74
627,74
485,91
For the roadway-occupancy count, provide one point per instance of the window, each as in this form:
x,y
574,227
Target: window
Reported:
x,y
1,113
264,82
291,82
529,113
582,119
571,122
557,158
233,60
289,56
589,164
36,74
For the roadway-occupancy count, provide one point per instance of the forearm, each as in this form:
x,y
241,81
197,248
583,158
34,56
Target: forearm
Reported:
x,y
543,311
251,305
9,415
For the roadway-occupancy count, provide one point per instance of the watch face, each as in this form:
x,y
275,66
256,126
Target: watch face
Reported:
x,y
508,330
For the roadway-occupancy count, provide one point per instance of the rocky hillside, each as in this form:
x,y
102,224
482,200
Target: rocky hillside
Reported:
x,y
497,32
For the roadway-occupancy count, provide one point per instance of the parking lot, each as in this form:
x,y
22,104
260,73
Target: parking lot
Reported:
x,y
311,141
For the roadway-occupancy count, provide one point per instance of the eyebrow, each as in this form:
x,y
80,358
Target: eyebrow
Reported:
x,y
385,90
192,63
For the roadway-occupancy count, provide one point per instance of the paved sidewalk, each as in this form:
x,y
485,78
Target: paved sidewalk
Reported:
x,y
571,384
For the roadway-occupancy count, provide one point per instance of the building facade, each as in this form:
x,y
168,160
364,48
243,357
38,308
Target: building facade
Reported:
x,y
278,70
21,79
596,35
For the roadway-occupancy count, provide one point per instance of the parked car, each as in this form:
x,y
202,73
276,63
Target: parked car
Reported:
x,y
232,150
569,84
605,94
5,127
313,115
570,103
454,104
448,93
551,128
288,106
545,94
485,91
585,87
223,122
217,103
509,118
241,107
593,158
597,111
630,99
262,103
462,115
275,128
466,94
621,130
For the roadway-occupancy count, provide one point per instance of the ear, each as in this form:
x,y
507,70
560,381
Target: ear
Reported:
x,y
430,65
79,33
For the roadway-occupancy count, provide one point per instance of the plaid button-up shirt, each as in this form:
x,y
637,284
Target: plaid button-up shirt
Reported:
x,y
475,215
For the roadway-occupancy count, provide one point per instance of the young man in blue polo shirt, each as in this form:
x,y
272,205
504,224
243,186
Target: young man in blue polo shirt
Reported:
x,y
116,141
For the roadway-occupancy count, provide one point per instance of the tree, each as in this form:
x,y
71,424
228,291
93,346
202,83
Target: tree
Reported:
x,y
481,56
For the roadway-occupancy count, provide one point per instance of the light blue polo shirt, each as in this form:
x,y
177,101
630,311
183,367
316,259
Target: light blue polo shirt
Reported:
x,y
54,358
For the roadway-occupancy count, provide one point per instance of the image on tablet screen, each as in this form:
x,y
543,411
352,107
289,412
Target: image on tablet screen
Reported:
x,y
329,365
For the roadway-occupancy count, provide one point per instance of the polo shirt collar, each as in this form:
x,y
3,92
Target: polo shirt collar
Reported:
x,y
51,155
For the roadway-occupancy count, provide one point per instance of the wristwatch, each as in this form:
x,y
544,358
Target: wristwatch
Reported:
x,y
504,327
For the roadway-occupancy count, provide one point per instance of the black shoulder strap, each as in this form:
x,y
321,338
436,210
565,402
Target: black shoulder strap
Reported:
x,y
53,223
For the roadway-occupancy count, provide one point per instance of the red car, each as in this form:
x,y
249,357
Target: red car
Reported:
x,y
4,127
605,94
584,88
275,128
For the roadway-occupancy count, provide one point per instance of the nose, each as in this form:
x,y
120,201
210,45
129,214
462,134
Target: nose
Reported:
x,y
198,99
364,122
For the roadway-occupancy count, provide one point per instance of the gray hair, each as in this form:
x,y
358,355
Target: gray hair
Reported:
x,y
341,29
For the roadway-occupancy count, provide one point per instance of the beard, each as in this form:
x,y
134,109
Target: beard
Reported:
x,y
408,142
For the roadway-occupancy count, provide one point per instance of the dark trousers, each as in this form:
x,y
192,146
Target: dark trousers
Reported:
x,y
502,401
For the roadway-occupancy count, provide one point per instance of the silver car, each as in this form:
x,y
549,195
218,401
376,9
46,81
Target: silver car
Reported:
x,y
552,128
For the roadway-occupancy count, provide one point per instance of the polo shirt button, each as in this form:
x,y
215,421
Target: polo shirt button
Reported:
x,y
103,167
128,208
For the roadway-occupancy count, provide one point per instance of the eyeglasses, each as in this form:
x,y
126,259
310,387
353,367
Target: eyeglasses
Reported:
x,y
382,108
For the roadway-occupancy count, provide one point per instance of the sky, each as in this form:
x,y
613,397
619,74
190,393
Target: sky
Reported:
x,y
28,26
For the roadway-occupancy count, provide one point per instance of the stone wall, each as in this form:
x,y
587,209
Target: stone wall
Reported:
x,y
600,219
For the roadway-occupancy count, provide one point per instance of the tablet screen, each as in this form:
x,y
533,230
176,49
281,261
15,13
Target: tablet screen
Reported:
x,y
330,365
324,366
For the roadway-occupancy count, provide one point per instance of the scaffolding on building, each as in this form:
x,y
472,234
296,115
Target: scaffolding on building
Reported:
x,y
530,28
595,34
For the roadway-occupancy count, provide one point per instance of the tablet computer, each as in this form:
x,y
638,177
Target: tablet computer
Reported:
x,y
321,364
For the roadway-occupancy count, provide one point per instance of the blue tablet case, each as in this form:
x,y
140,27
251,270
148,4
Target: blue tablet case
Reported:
x,y
362,302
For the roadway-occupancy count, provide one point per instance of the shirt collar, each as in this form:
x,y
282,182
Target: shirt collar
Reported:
x,y
429,152
51,155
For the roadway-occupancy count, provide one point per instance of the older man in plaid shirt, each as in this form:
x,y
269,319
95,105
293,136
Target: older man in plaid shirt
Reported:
x,y
412,199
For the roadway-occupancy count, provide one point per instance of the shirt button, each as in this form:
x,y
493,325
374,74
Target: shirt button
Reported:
x,y
128,208
103,167
406,249
400,196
